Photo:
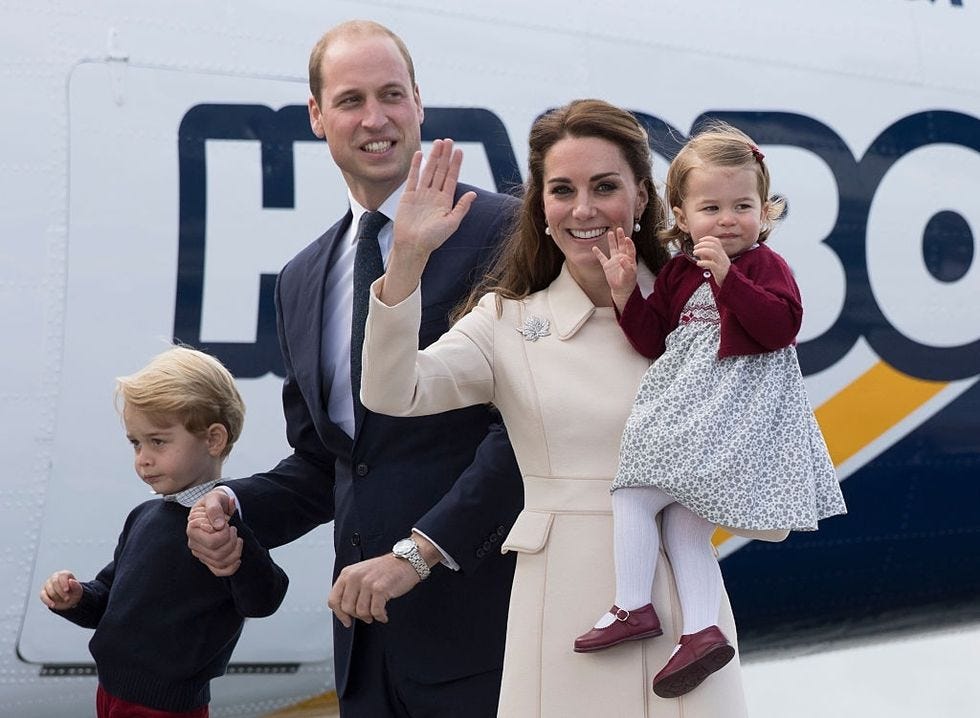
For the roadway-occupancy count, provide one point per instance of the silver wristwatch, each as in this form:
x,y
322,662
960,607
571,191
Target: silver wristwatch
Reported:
x,y
409,550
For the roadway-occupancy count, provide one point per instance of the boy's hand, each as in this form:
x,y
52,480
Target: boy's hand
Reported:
x,y
61,591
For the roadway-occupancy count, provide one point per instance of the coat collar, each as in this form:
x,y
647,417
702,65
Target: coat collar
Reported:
x,y
570,307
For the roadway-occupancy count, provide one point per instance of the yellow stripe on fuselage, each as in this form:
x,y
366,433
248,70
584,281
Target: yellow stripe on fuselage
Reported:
x,y
324,705
869,406
864,410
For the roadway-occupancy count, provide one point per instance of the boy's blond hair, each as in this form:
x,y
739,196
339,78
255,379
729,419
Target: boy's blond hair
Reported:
x,y
189,385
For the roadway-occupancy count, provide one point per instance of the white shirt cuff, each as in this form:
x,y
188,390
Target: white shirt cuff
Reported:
x,y
447,560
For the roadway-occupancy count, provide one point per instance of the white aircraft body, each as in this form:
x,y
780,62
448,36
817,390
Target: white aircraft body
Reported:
x,y
157,170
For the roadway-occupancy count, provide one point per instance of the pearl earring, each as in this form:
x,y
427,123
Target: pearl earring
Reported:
x,y
636,226
547,230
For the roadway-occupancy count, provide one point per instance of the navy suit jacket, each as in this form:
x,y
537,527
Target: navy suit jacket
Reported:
x,y
452,475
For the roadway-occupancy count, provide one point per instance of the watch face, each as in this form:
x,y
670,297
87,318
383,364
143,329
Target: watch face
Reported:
x,y
403,547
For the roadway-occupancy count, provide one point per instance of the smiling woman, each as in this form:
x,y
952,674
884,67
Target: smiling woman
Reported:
x,y
546,356
589,191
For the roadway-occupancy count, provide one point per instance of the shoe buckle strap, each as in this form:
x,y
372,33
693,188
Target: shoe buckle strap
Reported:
x,y
621,614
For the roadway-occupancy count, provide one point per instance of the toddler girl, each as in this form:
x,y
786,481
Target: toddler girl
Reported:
x,y
721,431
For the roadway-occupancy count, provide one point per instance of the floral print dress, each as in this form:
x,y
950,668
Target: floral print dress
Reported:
x,y
734,439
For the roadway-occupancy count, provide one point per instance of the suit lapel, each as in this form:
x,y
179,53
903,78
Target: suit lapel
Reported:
x,y
305,330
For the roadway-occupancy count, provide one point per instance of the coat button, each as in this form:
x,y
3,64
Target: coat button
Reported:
x,y
706,274
500,531
362,469
355,539
487,546
480,553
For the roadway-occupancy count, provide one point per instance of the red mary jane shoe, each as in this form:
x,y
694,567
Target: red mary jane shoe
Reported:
x,y
700,655
628,626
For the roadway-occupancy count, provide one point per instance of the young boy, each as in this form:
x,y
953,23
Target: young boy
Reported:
x,y
164,624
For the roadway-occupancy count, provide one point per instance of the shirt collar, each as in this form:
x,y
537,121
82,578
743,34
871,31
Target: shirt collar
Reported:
x,y
388,208
570,306
189,497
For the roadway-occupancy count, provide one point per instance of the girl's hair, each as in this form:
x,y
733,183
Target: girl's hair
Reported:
x,y
719,144
528,260
189,385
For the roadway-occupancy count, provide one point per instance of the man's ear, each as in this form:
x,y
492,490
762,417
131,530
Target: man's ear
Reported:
x,y
217,437
316,119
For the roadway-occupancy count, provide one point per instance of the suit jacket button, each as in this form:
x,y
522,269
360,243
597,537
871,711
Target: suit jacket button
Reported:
x,y
480,553
362,469
500,531
355,539
494,538
486,546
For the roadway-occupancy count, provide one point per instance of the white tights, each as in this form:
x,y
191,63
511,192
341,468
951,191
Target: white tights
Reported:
x,y
687,542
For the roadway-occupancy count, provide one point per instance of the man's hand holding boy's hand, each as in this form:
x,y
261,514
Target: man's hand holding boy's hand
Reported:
x,y
210,537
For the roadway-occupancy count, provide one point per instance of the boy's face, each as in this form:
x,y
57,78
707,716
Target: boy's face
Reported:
x,y
167,456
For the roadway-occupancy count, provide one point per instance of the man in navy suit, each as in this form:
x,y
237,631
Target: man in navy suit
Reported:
x,y
406,494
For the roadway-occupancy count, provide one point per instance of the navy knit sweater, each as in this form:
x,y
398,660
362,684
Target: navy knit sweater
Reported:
x,y
164,624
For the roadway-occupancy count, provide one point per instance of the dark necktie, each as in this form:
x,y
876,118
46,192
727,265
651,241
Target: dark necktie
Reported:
x,y
368,266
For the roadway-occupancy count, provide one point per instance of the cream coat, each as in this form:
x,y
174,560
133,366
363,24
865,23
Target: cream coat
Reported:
x,y
564,397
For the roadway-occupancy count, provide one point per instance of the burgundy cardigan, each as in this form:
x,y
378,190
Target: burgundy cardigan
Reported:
x,y
759,304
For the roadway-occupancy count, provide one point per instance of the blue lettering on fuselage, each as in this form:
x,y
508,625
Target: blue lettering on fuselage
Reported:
x,y
947,235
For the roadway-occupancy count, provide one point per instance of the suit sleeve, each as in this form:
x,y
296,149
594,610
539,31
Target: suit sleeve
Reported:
x,y
482,505
296,495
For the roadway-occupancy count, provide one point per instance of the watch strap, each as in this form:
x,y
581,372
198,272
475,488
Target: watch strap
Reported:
x,y
414,557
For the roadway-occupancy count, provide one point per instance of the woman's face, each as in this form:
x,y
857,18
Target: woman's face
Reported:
x,y
588,190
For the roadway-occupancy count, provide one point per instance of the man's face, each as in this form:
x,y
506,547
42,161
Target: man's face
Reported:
x,y
370,114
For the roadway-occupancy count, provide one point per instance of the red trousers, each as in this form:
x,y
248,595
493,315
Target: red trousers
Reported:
x,y
108,706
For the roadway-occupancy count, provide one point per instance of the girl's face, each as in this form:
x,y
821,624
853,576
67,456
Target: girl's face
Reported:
x,y
589,189
722,202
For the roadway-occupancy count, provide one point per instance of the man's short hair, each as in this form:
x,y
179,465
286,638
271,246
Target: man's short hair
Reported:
x,y
347,29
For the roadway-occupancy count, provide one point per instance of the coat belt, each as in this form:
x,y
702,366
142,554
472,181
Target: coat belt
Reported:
x,y
558,494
